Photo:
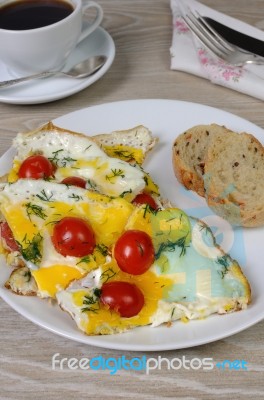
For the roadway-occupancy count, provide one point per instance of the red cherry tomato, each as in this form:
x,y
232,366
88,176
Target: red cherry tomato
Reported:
x,y
7,235
74,181
36,167
134,252
145,198
122,297
73,237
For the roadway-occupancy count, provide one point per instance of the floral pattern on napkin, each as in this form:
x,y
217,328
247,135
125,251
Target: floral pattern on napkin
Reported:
x,y
188,54
217,69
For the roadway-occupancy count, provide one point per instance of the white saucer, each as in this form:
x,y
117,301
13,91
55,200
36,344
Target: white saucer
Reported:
x,y
54,88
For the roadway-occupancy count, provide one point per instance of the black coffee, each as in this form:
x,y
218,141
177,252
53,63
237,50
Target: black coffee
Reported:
x,y
32,14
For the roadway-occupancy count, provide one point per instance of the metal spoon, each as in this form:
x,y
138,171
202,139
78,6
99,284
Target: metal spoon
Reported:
x,y
81,70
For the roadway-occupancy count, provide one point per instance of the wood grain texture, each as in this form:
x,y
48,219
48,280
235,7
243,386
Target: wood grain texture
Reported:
x,y
142,33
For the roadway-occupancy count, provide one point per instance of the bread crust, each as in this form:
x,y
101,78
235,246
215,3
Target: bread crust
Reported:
x,y
207,171
189,152
234,184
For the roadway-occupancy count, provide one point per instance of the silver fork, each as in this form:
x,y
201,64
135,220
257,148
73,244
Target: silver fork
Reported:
x,y
216,43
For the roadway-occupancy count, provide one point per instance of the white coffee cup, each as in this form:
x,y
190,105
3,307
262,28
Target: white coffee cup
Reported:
x,y
43,49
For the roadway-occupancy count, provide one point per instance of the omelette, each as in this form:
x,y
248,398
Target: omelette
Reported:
x,y
190,278
108,163
111,262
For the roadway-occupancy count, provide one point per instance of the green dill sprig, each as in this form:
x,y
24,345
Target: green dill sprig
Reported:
x,y
75,197
173,218
224,262
91,302
85,259
55,159
66,160
34,209
44,197
125,154
122,195
148,209
115,173
54,222
205,228
107,274
60,162
88,147
171,246
27,275
91,184
146,180
32,251
102,248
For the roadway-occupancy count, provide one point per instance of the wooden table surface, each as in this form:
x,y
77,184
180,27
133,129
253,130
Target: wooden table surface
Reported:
x,y
142,33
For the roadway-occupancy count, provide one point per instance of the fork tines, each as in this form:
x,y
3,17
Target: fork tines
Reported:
x,y
207,34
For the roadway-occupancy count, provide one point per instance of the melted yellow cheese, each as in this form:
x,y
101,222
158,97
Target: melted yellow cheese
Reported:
x,y
151,187
125,153
19,222
140,220
13,173
54,278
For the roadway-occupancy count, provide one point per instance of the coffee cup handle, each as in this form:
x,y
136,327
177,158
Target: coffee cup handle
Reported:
x,y
96,22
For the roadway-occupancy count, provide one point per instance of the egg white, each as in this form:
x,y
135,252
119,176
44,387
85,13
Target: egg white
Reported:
x,y
77,155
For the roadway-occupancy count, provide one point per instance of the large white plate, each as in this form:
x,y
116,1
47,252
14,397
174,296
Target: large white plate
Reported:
x,y
166,119
58,87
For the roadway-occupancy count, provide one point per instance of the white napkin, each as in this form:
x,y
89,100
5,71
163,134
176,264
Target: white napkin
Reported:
x,y
189,55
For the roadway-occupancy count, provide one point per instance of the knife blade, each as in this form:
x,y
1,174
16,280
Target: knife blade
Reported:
x,y
239,39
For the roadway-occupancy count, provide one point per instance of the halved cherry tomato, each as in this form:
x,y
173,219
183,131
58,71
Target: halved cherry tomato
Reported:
x,y
74,181
7,235
145,198
122,297
134,252
73,237
36,167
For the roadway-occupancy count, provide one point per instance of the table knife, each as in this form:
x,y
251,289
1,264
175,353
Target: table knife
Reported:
x,y
239,39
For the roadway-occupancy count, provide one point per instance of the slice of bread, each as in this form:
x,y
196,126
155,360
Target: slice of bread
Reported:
x,y
189,151
234,178
225,167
